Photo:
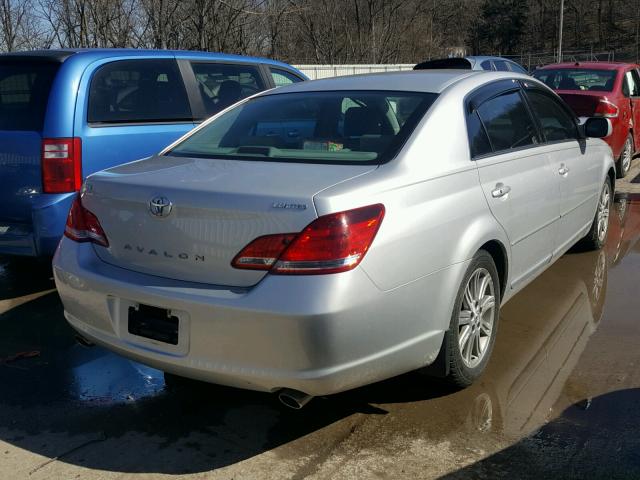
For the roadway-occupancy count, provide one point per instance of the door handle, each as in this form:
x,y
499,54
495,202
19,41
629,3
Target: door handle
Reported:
x,y
563,170
500,191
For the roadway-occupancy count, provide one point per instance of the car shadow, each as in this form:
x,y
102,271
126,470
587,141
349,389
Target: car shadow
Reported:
x,y
80,396
20,277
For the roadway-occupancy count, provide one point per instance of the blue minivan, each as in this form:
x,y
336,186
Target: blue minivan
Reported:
x,y
65,114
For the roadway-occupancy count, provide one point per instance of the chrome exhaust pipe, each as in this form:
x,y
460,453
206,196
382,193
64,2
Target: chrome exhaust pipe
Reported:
x,y
83,341
293,398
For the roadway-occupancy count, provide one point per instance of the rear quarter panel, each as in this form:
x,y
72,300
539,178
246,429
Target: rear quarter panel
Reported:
x,y
436,214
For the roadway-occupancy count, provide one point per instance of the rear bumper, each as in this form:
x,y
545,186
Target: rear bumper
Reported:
x,y
40,236
317,334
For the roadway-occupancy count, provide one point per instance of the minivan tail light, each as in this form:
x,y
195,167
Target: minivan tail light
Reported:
x,y
61,165
606,109
84,226
330,244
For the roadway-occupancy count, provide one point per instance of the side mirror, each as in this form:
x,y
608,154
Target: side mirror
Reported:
x,y
595,127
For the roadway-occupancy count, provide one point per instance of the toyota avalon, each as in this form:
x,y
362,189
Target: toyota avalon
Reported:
x,y
330,234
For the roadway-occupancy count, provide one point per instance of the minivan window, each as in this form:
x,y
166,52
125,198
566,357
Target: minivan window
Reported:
x,y
282,77
556,123
507,122
24,93
312,127
138,91
222,85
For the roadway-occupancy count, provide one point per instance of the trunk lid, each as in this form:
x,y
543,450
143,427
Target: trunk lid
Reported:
x,y
583,104
24,94
218,207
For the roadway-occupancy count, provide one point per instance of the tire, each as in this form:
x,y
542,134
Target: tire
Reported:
x,y
467,359
597,236
624,162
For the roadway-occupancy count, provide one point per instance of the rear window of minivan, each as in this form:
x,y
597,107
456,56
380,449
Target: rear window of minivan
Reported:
x,y
24,93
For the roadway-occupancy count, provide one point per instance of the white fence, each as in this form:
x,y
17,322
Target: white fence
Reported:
x,y
315,72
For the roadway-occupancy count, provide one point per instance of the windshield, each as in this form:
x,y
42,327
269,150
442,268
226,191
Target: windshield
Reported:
x,y
315,127
580,79
24,93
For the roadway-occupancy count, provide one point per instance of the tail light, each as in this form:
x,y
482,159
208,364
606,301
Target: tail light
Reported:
x,y
83,226
61,165
330,244
606,109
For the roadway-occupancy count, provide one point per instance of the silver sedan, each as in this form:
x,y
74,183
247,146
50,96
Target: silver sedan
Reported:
x,y
330,234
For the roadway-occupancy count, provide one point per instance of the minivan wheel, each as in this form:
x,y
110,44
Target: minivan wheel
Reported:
x,y
597,236
474,322
624,163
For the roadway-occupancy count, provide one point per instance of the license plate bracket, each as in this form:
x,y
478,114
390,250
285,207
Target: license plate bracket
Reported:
x,y
153,323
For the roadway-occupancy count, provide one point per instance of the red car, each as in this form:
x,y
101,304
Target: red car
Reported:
x,y
604,89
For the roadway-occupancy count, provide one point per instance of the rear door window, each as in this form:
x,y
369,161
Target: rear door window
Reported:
x,y
24,93
507,122
138,91
501,65
631,86
556,123
486,65
222,85
282,77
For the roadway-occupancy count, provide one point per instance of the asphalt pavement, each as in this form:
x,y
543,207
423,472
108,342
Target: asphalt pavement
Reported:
x,y
559,399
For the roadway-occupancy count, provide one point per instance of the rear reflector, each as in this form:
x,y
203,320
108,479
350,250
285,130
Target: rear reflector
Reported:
x,y
61,165
606,109
330,244
83,226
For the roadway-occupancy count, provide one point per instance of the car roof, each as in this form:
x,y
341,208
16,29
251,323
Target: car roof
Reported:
x,y
482,58
428,81
93,54
589,65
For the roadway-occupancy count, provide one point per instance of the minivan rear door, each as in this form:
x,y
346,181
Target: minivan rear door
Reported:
x,y
25,84
129,109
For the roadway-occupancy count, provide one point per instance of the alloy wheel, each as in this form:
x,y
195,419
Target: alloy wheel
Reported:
x,y
603,212
627,154
476,318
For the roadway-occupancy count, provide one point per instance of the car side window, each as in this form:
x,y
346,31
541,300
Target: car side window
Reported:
x,y
486,65
138,91
631,86
222,85
557,125
478,139
516,68
282,77
501,65
507,122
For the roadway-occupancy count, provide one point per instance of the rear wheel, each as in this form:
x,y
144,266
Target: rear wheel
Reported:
x,y
597,236
474,322
624,162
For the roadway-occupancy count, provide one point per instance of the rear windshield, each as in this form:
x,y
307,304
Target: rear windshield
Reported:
x,y
578,79
313,127
24,92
